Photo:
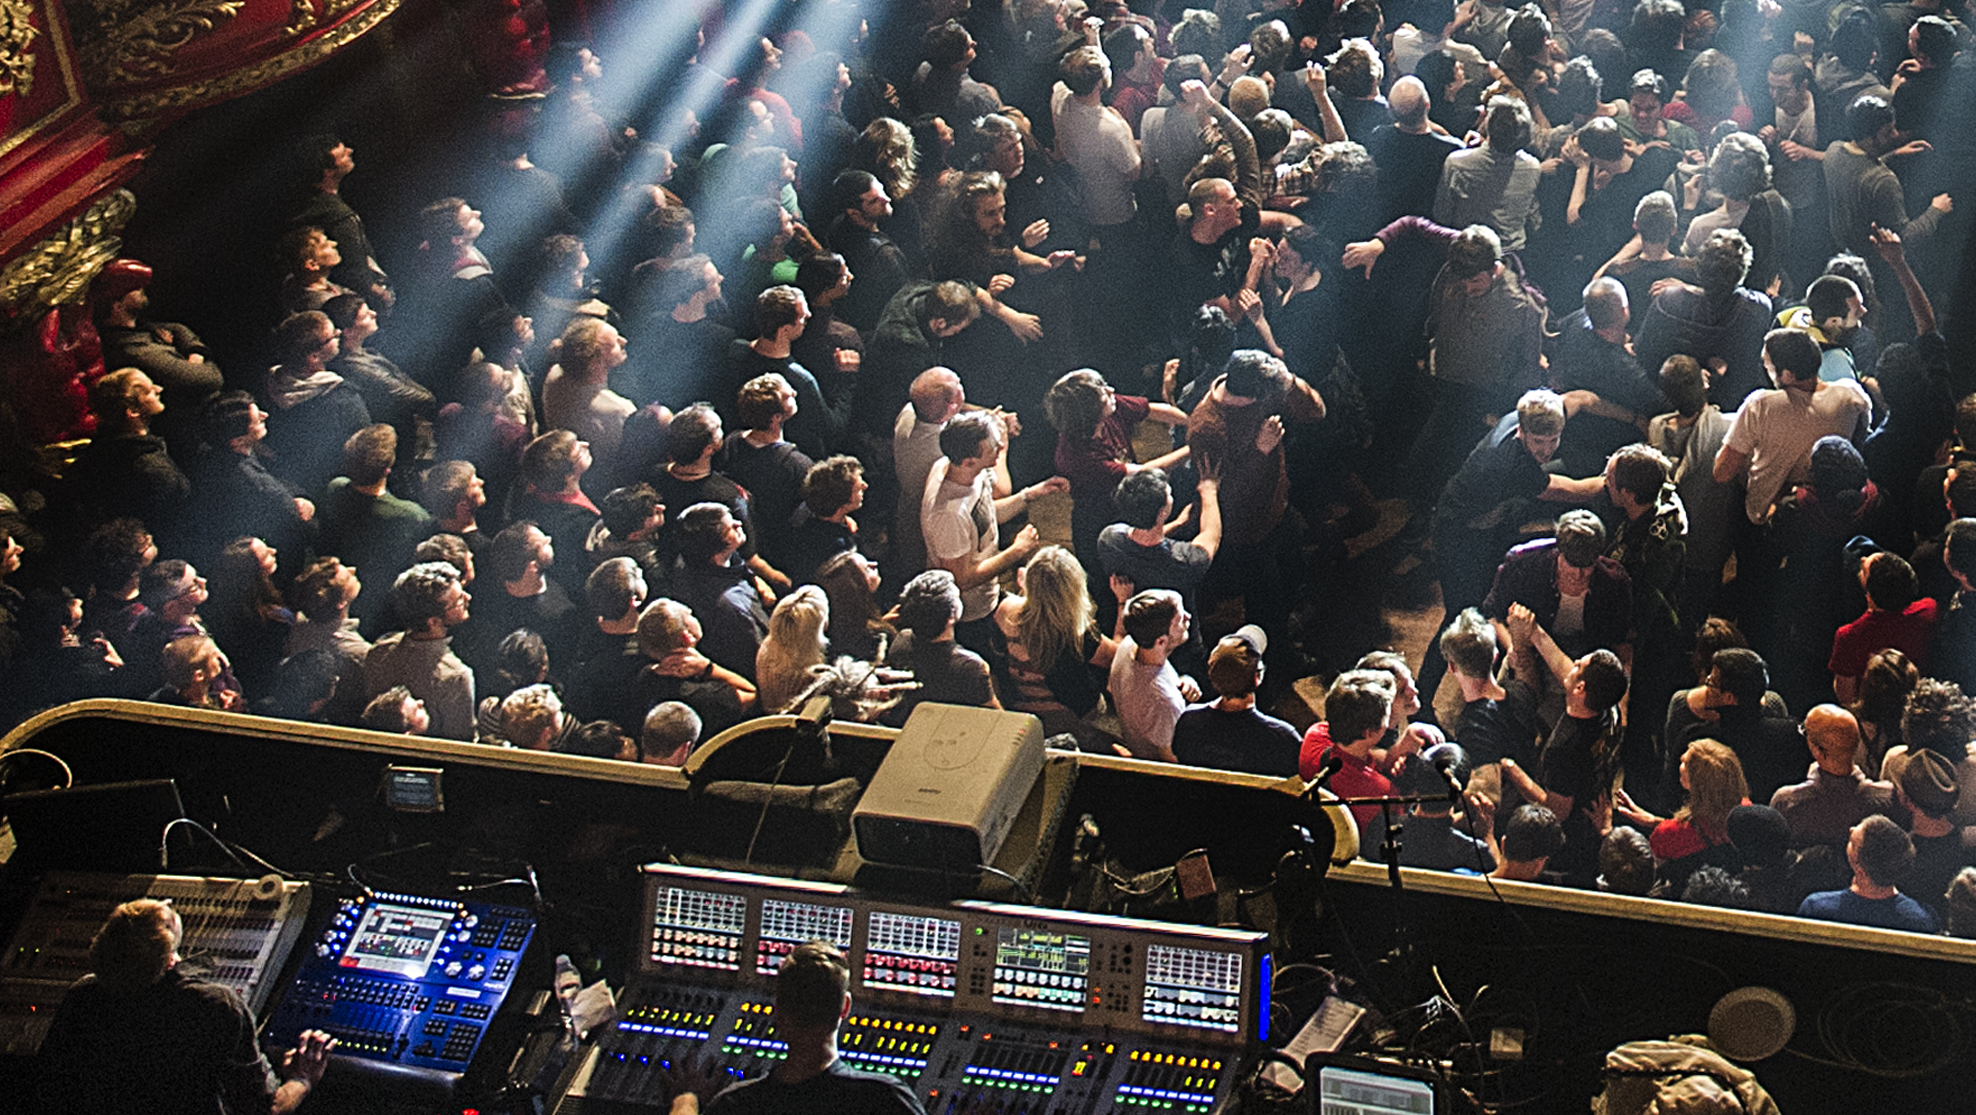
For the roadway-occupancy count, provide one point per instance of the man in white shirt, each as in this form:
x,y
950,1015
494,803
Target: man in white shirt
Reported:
x,y
1773,432
960,517
1148,692
1094,138
936,395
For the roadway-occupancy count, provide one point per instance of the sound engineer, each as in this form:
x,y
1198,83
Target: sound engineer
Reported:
x,y
812,998
139,1035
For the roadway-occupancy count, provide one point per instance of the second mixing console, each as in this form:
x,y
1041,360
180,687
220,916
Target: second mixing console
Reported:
x,y
1025,1009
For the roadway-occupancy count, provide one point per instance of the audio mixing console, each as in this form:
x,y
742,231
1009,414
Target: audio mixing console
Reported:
x,y
1032,1010
238,933
406,983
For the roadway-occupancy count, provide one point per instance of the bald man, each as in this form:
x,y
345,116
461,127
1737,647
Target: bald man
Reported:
x,y
1824,808
935,396
1409,152
1609,398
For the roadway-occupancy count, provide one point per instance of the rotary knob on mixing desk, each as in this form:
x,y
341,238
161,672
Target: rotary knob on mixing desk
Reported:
x,y
453,969
476,972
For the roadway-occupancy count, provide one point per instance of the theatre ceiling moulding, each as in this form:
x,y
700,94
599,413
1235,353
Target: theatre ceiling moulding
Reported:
x,y
57,270
152,59
17,35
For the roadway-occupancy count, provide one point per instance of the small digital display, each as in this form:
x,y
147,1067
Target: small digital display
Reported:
x,y
1200,988
1042,968
698,928
788,924
1343,1091
396,940
414,789
919,955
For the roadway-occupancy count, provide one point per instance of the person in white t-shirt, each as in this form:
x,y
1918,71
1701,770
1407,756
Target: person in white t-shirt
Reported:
x,y
960,517
1772,434
1149,693
936,395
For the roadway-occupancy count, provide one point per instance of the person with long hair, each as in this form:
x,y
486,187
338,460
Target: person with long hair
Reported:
x,y
249,617
1878,702
886,150
969,239
794,645
1712,778
1054,657
857,627
1095,427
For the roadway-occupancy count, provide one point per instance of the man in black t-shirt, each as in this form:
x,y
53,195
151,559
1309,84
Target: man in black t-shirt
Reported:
x,y
947,672
812,998
138,1035
1231,733
1578,762
1497,721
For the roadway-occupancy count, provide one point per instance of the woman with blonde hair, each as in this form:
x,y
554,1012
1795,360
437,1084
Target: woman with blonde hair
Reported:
x,y
886,149
1713,778
1055,659
793,646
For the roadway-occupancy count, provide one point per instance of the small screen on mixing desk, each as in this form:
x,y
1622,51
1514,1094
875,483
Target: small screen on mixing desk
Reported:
x,y
919,955
1372,1090
698,928
1042,968
1193,987
396,940
788,924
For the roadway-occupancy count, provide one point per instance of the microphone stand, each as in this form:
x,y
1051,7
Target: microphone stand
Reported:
x,y
1401,956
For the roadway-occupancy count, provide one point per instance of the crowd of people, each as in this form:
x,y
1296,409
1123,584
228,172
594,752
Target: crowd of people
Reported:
x,y
690,410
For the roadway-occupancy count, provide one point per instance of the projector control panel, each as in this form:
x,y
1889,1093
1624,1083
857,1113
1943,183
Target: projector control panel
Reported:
x,y
406,980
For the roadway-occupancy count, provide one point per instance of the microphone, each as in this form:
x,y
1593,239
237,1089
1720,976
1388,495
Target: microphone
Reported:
x,y
1332,764
1444,765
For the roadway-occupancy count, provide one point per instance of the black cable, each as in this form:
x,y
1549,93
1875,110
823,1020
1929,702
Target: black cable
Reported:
x,y
1885,1029
164,845
768,799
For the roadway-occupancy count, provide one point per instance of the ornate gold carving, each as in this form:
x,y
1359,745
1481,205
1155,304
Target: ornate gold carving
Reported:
x,y
135,39
304,16
17,33
58,270
150,104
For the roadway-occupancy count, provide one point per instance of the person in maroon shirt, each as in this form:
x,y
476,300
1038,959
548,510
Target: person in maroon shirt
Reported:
x,y
1896,616
1094,449
1236,432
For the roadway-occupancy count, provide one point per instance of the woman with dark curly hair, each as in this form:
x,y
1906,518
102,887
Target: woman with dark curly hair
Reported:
x,y
1739,171
1094,448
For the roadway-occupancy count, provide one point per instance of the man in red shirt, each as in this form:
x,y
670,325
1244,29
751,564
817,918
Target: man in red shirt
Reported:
x,y
1356,708
1897,616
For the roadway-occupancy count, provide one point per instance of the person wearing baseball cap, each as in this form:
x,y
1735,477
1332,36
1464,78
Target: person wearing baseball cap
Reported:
x,y
1925,782
1230,732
